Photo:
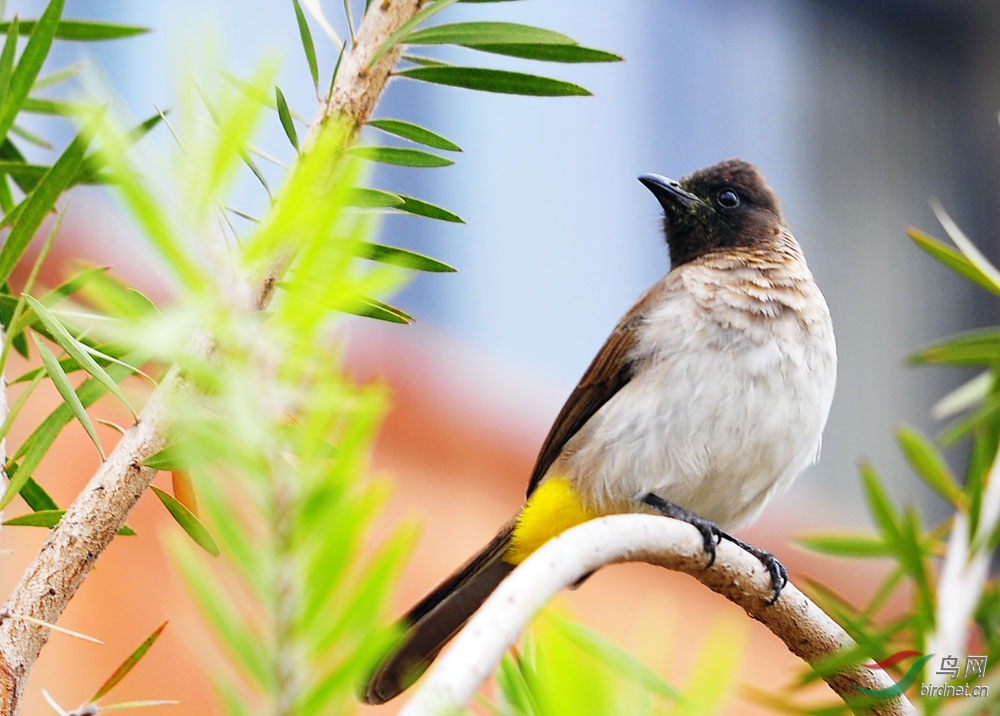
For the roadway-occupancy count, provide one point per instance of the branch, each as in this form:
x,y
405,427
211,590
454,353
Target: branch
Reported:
x,y
91,522
806,630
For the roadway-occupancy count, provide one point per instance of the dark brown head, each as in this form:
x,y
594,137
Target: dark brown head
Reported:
x,y
727,205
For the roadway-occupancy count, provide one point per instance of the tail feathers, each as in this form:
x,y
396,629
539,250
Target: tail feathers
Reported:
x,y
431,624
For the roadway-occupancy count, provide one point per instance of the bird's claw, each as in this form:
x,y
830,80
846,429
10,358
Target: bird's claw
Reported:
x,y
712,534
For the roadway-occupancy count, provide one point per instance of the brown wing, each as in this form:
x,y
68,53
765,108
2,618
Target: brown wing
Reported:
x,y
609,371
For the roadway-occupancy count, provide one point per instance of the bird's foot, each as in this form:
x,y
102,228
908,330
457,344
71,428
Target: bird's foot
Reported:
x,y
779,575
710,532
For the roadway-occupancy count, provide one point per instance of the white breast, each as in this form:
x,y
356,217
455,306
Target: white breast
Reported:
x,y
726,406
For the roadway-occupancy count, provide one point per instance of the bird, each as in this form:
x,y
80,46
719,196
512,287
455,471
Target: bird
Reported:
x,y
709,397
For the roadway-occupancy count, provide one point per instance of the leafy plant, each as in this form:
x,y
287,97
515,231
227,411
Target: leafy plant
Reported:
x,y
262,433
953,610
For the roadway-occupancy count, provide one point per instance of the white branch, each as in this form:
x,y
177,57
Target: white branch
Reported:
x,y
807,631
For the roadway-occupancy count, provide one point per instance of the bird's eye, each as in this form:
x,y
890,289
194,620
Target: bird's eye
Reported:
x,y
728,199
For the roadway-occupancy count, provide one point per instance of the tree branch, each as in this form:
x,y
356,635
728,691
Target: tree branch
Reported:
x,y
101,509
804,628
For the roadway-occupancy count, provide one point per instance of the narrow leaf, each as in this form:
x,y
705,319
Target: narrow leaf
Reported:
x,y
365,198
929,464
81,30
415,133
549,53
401,156
24,74
69,396
966,396
500,81
971,348
250,90
424,61
188,522
846,545
479,33
73,284
7,61
77,351
40,518
36,497
418,207
879,504
373,308
50,518
131,661
36,446
965,245
395,256
307,44
172,457
286,118
40,201
952,259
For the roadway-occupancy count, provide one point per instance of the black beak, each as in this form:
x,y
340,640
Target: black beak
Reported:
x,y
669,193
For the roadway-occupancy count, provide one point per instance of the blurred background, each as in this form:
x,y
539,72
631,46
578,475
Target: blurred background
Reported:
x,y
857,112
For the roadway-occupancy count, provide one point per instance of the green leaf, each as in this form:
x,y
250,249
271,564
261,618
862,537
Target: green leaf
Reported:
x,y
24,74
407,27
50,518
550,53
250,90
131,661
418,207
81,30
36,446
36,497
172,457
33,210
286,118
77,351
929,464
501,81
40,518
424,61
415,133
974,348
73,284
481,33
952,259
55,107
879,504
844,544
69,396
307,44
395,256
401,156
7,63
968,249
512,39
365,198
373,308
113,297
188,522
